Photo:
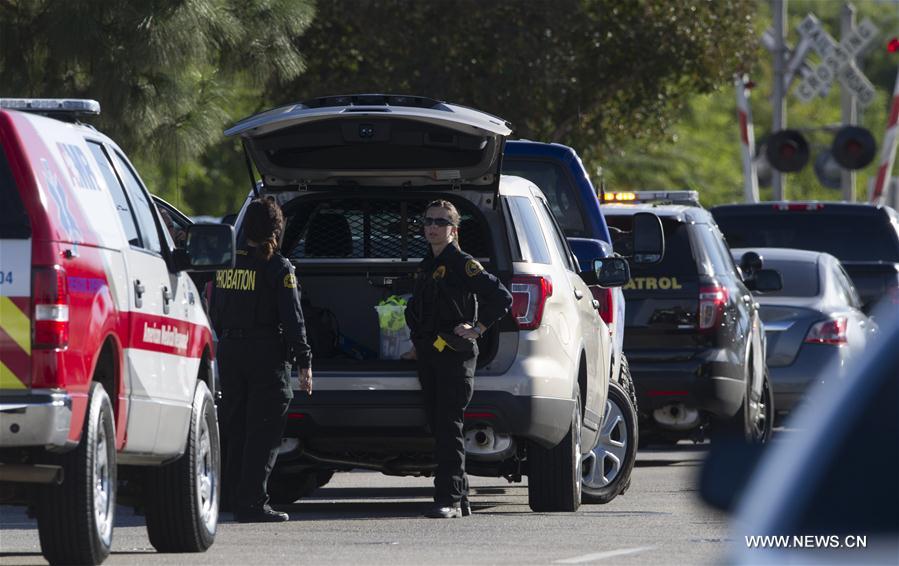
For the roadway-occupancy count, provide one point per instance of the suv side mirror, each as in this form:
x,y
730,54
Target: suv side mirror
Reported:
x,y
649,240
765,281
210,247
611,271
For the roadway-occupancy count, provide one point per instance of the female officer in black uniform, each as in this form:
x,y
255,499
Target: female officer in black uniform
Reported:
x,y
454,302
256,313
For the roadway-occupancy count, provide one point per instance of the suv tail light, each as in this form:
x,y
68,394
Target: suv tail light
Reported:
x,y
529,294
604,298
50,299
712,299
831,331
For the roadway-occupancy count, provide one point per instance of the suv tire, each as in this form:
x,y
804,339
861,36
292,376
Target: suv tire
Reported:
x,y
554,474
285,490
182,497
75,520
609,465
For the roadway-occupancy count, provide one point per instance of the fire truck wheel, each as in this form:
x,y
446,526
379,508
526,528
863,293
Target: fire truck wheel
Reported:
x,y
75,519
182,497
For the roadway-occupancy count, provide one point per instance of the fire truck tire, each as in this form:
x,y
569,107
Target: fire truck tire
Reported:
x,y
75,519
182,497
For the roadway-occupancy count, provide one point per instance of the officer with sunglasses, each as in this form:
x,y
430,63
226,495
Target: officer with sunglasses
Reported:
x,y
454,302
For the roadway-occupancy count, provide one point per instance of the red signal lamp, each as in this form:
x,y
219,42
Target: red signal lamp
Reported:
x,y
893,45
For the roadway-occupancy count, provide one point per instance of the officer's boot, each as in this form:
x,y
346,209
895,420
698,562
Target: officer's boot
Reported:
x,y
466,506
444,511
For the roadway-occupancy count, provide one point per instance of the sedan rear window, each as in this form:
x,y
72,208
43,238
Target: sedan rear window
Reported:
x,y
800,278
850,236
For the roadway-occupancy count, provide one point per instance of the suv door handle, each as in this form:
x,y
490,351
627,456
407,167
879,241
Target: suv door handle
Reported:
x,y
138,293
578,295
166,299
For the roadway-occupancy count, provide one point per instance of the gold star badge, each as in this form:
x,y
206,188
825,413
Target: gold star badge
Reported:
x,y
440,272
290,281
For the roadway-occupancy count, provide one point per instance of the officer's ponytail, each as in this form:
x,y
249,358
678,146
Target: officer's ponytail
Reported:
x,y
452,213
263,224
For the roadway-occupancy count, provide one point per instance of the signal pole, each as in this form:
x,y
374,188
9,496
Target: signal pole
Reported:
x,y
779,101
848,101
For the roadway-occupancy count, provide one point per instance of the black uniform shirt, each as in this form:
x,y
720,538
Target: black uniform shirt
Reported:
x,y
453,288
257,296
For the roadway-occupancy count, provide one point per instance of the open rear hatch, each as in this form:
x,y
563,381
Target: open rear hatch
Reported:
x,y
374,140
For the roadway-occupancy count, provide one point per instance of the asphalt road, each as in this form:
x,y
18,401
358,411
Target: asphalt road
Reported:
x,y
368,518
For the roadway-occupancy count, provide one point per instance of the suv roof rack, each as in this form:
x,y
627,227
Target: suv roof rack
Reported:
x,y
683,197
68,109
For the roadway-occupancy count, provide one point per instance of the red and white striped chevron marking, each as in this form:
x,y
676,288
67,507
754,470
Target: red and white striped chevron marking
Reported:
x,y
888,155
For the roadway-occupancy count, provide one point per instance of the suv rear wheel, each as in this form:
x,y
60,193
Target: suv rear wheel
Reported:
x,y
75,519
554,474
183,496
607,468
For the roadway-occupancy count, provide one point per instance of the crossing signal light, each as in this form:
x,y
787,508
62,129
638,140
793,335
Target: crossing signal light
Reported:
x,y
787,151
893,45
853,147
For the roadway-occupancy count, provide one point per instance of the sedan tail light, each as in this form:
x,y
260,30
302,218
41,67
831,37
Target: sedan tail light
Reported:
x,y
529,294
50,300
831,331
712,299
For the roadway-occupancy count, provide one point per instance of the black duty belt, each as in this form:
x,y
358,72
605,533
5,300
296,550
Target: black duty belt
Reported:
x,y
250,333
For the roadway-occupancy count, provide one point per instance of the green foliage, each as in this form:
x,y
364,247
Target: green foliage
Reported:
x,y
703,150
168,73
590,73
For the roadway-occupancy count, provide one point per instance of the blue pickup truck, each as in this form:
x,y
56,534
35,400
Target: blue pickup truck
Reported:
x,y
558,172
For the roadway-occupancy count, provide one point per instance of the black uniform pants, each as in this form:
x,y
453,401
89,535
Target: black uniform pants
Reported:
x,y
447,382
256,393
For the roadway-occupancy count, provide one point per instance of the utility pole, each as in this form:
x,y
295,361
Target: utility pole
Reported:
x,y
779,100
848,101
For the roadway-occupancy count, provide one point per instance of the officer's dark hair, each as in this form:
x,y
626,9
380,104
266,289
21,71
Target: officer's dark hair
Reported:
x,y
263,224
453,214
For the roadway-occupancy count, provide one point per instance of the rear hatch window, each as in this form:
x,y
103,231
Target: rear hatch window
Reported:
x,y
662,298
14,223
863,234
357,228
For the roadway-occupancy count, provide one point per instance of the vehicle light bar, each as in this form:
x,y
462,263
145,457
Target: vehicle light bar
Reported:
x,y
671,197
52,105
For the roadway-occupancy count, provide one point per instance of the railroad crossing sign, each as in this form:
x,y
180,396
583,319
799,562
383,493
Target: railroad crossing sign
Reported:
x,y
837,61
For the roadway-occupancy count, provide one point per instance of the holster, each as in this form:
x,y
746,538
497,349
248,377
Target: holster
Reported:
x,y
457,343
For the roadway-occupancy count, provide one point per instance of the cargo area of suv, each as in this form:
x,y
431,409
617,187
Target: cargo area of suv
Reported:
x,y
358,253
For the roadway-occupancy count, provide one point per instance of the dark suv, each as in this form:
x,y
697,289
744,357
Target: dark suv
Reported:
x,y
692,335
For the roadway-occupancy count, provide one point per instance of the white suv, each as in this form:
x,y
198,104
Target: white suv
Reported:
x,y
353,175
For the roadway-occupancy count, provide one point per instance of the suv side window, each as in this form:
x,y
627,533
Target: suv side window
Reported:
x,y
722,264
122,205
556,185
142,207
556,236
528,231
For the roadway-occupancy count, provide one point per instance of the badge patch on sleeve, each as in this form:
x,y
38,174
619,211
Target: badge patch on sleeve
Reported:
x,y
472,267
440,272
290,281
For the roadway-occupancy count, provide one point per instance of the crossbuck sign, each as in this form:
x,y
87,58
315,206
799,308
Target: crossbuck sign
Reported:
x,y
837,61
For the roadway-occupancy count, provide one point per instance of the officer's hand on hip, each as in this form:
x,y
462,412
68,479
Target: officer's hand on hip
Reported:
x,y
306,380
467,331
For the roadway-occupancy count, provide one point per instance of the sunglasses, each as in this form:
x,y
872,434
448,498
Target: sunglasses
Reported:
x,y
442,222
